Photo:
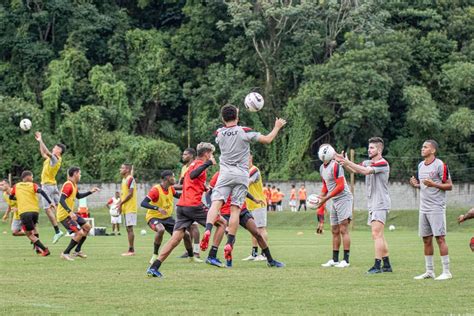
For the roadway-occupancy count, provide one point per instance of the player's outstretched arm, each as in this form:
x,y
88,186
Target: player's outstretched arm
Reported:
x,y
267,139
43,149
86,194
466,216
351,166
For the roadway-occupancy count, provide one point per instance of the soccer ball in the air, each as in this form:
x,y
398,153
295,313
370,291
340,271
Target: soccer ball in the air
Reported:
x,y
143,232
254,102
326,153
25,124
313,201
391,227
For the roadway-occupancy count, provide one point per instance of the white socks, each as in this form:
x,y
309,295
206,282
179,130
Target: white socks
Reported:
x,y
196,248
429,264
445,263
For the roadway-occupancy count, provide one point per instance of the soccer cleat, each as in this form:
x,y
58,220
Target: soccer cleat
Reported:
x,y
330,263
275,264
260,258
45,253
249,258
387,269
66,257
444,276
342,264
228,263
374,270
184,256
426,275
228,252
205,240
57,236
214,262
128,254
153,273
195,260
79,254
153,258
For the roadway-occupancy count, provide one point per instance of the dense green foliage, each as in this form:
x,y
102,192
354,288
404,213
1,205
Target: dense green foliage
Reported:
x,y
140,80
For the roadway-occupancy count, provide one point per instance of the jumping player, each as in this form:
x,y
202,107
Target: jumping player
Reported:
x,y
234,143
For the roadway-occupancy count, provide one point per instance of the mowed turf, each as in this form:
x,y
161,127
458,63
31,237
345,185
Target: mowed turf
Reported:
x,y
107,283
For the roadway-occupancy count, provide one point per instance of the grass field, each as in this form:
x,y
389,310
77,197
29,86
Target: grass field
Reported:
x,y
107,283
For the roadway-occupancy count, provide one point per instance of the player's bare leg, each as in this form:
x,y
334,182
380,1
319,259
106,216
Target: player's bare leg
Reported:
x,y
212,214
346,243
429,264
443,251
381,249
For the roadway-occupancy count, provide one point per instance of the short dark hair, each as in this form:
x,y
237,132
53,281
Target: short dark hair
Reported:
x,y
128,165
166,173
376,140
292,185
62,146
72,170
26,173
229,112
273,187
433,143
191,151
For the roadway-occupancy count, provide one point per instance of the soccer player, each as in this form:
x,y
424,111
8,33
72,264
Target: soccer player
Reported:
x,y
128,205
72,221
160,204
280,196
115,217
433,180
465,217
52,163
188,156
247,221
259,213
190,208
274,199
376,171
234,143
28,208
335,188
268,194
12,208
302,196
293,198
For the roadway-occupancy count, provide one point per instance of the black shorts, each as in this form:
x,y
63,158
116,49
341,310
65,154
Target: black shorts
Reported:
x,y
29,220
73,226
279,203
168,223
187,215
244,217
303,202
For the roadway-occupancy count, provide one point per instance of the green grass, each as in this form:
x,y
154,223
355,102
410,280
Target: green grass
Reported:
x,y
107,283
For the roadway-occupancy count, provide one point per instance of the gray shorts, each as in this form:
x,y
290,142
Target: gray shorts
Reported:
x,y
52,192
230,185
379,216
340,211
16,225
432,224
187,215
130,219
260,217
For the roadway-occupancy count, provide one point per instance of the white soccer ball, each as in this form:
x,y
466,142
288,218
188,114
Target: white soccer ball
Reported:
x,y
143,232
313,201
391,227
254,102
326,153
25,124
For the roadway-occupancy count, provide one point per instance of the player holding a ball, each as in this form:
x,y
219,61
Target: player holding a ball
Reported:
x,y
335,188
234,143
376,171
51,165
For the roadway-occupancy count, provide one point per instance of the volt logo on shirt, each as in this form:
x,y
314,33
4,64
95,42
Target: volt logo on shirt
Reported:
x,y
229,133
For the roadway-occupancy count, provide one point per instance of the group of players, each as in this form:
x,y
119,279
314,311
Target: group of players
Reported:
x,y
235,196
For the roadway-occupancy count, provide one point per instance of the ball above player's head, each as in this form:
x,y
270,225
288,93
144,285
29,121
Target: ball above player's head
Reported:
x,y
313,201
25,124
254,102
326,153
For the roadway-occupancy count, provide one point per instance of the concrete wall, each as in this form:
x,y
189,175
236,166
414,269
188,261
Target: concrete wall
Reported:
x,y
403,196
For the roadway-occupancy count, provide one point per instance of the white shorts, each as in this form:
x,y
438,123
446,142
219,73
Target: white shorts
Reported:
x,y
52,192
130,219
234,186
432,225
340,211
16,225
292,203
260,217
116,219
379,216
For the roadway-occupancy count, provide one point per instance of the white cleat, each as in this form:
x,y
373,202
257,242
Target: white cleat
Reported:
x,y
444,276
330,263
342,264
260,258
195,260
249,258
426,275
66,257
153,258
57,237
79,254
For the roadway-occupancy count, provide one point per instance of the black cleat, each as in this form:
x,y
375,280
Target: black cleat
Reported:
x,y
374,270
387,269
